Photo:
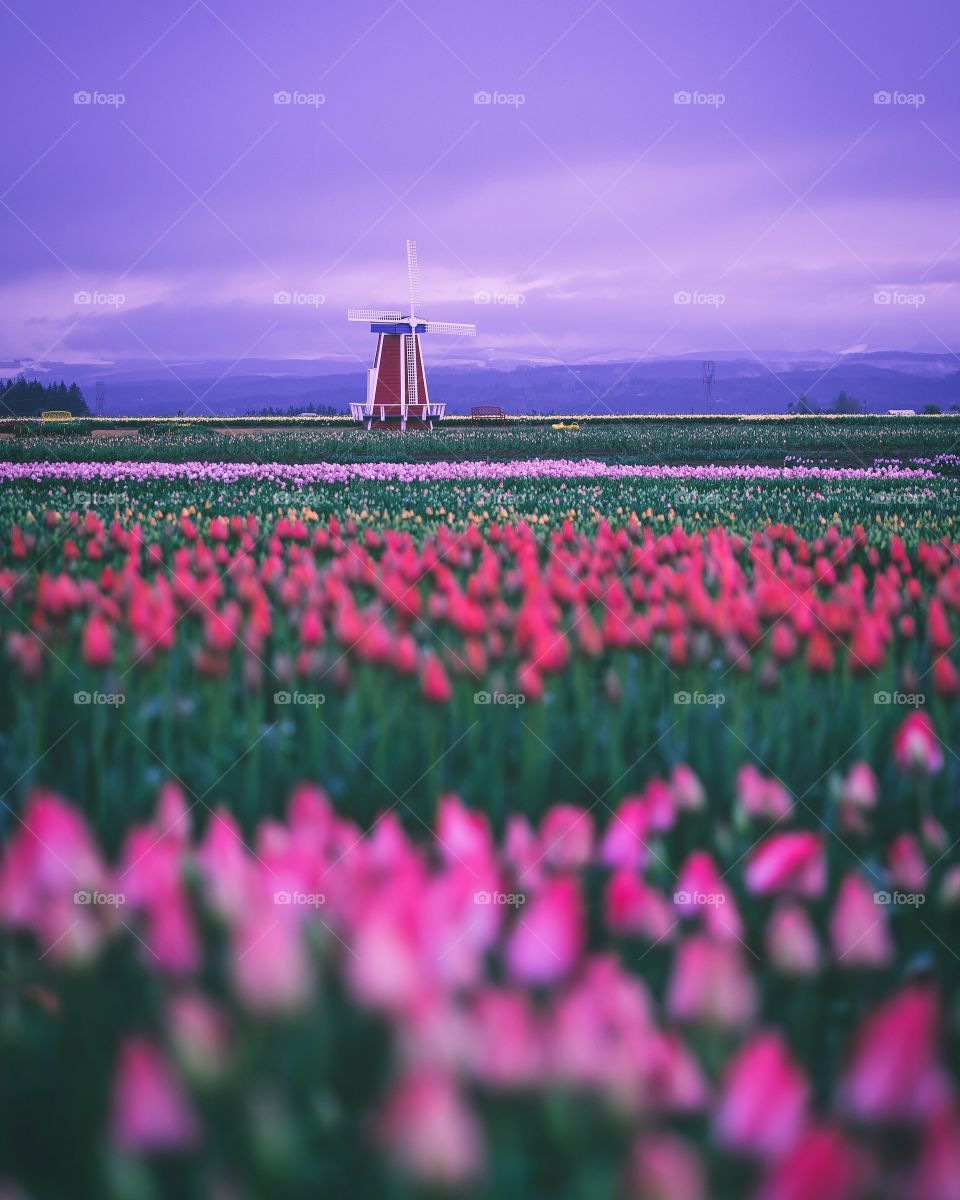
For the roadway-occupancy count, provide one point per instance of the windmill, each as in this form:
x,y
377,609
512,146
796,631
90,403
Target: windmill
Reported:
x,y
396,383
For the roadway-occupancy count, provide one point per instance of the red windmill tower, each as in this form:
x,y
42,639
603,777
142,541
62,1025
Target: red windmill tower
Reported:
x,y
396,383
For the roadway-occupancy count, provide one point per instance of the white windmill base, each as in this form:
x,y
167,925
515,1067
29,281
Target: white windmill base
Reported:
x,y
366,414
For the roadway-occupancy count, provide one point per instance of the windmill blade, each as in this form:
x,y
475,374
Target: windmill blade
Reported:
x,y
413,275
410,350
454,328
373,314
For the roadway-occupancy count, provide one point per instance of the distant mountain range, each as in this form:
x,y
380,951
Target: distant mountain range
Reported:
x,y
765,382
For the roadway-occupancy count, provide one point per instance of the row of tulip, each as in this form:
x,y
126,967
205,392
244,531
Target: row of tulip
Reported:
x,y
537,662
916,502
657,997
852,439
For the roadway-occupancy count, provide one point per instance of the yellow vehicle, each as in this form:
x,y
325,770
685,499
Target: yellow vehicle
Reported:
x,y
560,425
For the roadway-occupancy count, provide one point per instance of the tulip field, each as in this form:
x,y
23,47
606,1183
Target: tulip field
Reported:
x,y
548,828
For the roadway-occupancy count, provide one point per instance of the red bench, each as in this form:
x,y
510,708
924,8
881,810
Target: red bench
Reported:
x,y
487,412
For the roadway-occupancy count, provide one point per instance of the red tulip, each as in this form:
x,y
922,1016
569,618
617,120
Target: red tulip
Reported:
x,y
434,682
97,642
946,678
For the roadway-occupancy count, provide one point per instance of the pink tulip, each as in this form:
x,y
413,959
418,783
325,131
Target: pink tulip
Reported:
x,y
711,985
790,863
566,835
624,843
894,1073
674,1078
821,1166
151,1112
763,1103
270,967
916,746
937,1176
761,798
688,791
634,908
661,805
950,886
50,852
431,1133
198,1031
663,1166
791,941
858,926
225,866
521,851
860,788
384,969
463,833
547,934
906,865
507,1046
602,1034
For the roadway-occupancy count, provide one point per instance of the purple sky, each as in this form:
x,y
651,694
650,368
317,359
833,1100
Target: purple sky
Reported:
x,y
782,212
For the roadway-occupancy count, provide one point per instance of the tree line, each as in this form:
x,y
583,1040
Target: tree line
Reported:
x,y
22,397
